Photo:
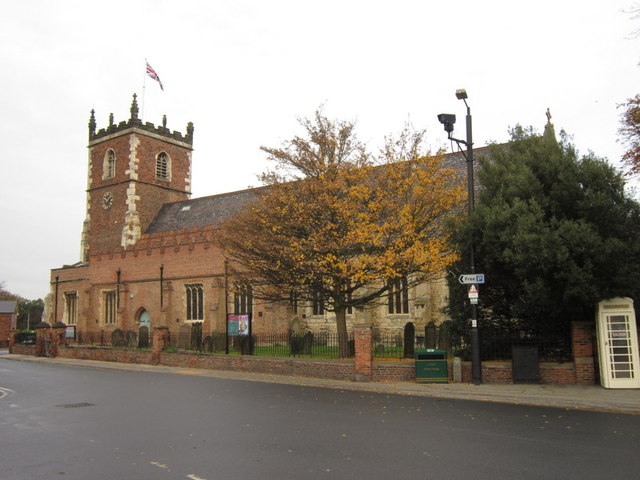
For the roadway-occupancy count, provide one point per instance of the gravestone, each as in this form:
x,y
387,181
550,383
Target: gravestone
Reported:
x,y
184,337
196,336
117,338
430,333
409,340
444,338
295,345
131,339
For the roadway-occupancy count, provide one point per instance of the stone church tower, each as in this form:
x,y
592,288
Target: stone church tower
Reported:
x,y
134,169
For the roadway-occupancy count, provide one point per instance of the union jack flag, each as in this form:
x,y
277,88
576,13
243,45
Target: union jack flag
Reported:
x,y
152,73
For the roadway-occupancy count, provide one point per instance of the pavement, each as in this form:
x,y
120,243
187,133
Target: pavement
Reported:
x,y
573,397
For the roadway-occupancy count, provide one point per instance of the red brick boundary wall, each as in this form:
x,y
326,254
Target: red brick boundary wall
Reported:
x,y
581,371
502,372
20,349
23,350
363,368
582,350
332,369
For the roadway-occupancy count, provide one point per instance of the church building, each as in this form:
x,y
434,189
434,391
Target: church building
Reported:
x,y
149,255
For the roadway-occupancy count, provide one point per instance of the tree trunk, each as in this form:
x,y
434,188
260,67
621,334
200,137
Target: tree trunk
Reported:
x,y
341,326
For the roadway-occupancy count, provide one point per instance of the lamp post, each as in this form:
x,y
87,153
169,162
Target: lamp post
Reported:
x,y
448,120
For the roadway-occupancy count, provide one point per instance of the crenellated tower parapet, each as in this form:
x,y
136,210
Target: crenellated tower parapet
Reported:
x,y
134,122
133,169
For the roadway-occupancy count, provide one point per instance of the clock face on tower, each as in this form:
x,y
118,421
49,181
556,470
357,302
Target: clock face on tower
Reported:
x,y
107,200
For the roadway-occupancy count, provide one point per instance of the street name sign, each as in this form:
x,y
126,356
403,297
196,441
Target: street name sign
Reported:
x,y
471,278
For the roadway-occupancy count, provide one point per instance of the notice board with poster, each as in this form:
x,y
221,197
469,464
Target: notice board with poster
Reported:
x,y
238,324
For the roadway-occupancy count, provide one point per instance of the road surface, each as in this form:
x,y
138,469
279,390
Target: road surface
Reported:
x,y
59,422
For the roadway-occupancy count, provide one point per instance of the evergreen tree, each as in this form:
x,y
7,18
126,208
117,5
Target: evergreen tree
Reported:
x,y
554,233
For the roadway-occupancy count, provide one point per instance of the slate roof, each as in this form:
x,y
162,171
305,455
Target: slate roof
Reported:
x,y
200,212
8,306
206,211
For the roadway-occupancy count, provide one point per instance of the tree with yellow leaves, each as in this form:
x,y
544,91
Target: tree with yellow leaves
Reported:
x,y
337,226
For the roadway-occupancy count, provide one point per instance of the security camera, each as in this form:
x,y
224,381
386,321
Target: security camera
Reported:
x,y
447,119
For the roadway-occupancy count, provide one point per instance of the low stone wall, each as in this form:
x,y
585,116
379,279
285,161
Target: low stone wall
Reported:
x,y
390,371
382,371
106,354
23,349
559,373
502,372
331,369
362,368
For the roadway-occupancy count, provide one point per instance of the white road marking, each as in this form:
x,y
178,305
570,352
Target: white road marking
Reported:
x,y
193,476
5,391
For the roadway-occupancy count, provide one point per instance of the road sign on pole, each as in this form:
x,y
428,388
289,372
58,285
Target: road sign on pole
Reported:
x,y
473,292
470,278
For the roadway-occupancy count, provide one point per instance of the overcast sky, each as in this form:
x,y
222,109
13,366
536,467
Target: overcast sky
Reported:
x,y
244,71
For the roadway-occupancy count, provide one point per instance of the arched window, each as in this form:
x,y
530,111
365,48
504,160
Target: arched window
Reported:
x,y
243,299
195,302
163,166
317,302
398,296
71,308
109,166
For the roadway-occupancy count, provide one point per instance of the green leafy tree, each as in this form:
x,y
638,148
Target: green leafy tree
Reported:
x,y
335,225
29,313
554,233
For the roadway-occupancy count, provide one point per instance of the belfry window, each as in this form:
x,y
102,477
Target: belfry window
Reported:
x,y
109,167
163,166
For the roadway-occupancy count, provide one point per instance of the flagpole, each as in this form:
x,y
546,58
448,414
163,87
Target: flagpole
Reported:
x,y
144,87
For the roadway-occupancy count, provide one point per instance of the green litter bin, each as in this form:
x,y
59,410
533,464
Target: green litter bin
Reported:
x,y
431,366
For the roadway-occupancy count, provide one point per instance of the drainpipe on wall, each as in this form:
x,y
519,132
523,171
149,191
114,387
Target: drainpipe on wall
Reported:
x,y
118,295
226,310
55,303
161,282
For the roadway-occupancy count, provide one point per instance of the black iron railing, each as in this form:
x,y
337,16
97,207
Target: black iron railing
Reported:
x,y
272,344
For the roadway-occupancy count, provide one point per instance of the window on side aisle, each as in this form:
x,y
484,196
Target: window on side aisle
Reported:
x,y
71,308
109,307
398,298
243,299
195,302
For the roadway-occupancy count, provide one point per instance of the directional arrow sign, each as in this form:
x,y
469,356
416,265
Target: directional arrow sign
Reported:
x,y
471,278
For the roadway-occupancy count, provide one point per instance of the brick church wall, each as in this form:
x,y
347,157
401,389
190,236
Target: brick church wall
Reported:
x,y
186,257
